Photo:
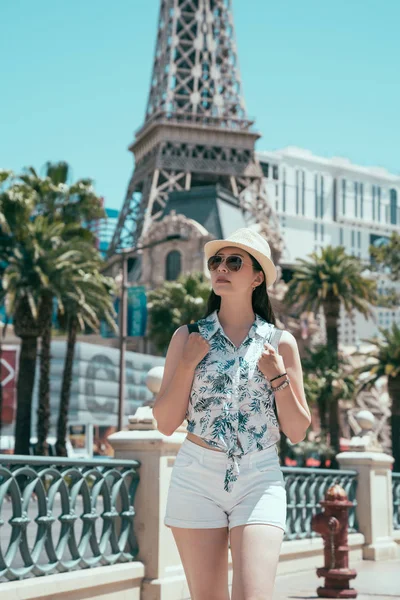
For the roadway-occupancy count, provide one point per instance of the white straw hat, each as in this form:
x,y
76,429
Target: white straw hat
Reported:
x,y
253,243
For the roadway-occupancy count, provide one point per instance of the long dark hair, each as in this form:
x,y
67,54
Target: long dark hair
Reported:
x,y
260,299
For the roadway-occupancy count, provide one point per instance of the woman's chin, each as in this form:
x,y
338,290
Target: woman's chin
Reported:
x,y
221,290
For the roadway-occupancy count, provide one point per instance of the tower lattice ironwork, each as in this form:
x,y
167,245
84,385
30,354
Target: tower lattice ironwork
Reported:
x,y
196,131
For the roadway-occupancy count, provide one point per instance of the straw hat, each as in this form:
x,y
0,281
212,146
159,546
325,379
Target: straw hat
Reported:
x,y
253,243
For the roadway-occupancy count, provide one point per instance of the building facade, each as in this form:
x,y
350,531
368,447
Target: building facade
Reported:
x,y
320,202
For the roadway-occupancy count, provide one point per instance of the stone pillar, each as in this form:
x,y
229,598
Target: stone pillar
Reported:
x,y
164,577
374,501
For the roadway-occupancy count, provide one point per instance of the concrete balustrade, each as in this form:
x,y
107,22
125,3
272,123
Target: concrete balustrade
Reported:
x,y
158,573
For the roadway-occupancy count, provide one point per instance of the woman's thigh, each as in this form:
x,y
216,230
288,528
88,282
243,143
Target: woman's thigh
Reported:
x,y
255,553
204,556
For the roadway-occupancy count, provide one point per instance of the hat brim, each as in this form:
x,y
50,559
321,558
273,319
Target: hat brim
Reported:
x,y
211,248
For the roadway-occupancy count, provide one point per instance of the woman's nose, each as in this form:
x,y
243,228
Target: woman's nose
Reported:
x,y
222,267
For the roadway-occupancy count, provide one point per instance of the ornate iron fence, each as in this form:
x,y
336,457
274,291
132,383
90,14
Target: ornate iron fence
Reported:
x,y
396,500
305,488
58,514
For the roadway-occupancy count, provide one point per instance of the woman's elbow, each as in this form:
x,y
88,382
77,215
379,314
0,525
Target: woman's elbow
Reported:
x,y
163,426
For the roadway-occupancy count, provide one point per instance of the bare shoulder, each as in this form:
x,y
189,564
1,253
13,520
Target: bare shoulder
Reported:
x,y
181,333
178,339
287,340
174,355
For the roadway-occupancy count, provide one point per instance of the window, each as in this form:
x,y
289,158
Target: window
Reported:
x,y
284,191
300,176
322,232
393,207
265,169
355,199
173,265
343,196
373,202
359,239
341,236
352,238
315,231
316,195
361,200
378,191
275,173
321,198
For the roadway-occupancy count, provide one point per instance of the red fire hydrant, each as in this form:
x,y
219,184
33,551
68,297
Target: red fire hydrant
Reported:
x,y
333,525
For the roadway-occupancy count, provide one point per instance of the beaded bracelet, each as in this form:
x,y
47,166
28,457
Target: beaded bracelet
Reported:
x,y
277,377
282,385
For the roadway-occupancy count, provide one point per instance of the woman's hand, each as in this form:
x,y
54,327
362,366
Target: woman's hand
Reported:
x,y
270,362
195,349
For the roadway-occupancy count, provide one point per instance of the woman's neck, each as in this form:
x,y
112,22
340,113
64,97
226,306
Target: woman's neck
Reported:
x,y
234,314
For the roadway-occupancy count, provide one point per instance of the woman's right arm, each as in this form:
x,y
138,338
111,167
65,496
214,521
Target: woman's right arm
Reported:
x,y
184,353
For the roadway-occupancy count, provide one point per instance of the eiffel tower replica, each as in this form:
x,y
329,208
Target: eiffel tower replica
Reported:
x,y
196,132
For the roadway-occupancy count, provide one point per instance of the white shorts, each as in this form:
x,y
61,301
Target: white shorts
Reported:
x,y
196,495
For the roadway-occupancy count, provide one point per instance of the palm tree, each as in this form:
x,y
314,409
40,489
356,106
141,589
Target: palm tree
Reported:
x,y
20,283
328,281
62,265
331,279
89,300
328,379
58,198
36,271
175,303
383,360
74,205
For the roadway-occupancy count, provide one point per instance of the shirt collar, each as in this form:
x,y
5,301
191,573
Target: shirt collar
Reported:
x,y
209,326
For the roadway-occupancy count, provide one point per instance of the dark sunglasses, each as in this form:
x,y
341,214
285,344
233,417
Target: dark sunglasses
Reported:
x,y
233,262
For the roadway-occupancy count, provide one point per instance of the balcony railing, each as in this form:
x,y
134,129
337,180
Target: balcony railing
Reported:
x,y
305,488
58,514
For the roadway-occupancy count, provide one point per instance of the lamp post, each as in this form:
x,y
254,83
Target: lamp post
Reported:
x,y
122,341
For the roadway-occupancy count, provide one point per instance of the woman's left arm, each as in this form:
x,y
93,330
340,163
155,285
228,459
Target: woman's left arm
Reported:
x,y
293,411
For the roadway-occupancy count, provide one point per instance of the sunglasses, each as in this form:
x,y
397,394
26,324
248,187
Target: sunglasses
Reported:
x,y
233,262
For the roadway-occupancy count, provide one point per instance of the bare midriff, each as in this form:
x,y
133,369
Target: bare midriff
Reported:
x,y
197,440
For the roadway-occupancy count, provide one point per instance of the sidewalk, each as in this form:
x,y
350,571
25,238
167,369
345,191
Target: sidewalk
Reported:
x,y
374,581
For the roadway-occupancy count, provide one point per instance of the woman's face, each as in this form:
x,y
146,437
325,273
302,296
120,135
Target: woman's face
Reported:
x,y
226,282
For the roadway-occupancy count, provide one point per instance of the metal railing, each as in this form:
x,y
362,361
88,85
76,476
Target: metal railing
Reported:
x,y
58,514
396,500
305,488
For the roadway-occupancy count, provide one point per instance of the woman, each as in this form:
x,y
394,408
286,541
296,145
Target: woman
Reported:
x,y
227,487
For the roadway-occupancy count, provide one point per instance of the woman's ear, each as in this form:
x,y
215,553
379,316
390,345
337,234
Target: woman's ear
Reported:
x,y
260,278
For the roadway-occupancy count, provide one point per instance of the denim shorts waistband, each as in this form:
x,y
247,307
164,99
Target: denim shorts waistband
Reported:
x,y
200,453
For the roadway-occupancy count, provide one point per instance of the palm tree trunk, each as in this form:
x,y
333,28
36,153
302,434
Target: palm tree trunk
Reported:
x,y
43,412
394,394
26,380
334,428
331,310
322,412
66,388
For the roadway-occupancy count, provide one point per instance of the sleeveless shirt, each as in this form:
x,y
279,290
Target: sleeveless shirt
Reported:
x,y
231,404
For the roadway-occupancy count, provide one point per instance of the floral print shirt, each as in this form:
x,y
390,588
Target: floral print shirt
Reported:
x,y
231,404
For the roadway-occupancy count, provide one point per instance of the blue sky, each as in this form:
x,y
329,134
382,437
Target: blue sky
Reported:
x,y
75,75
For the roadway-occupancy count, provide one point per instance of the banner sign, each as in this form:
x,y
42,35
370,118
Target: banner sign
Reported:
x,y
8,381
137,311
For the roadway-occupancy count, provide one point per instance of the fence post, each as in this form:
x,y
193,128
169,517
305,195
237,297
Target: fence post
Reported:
x,y
374,501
